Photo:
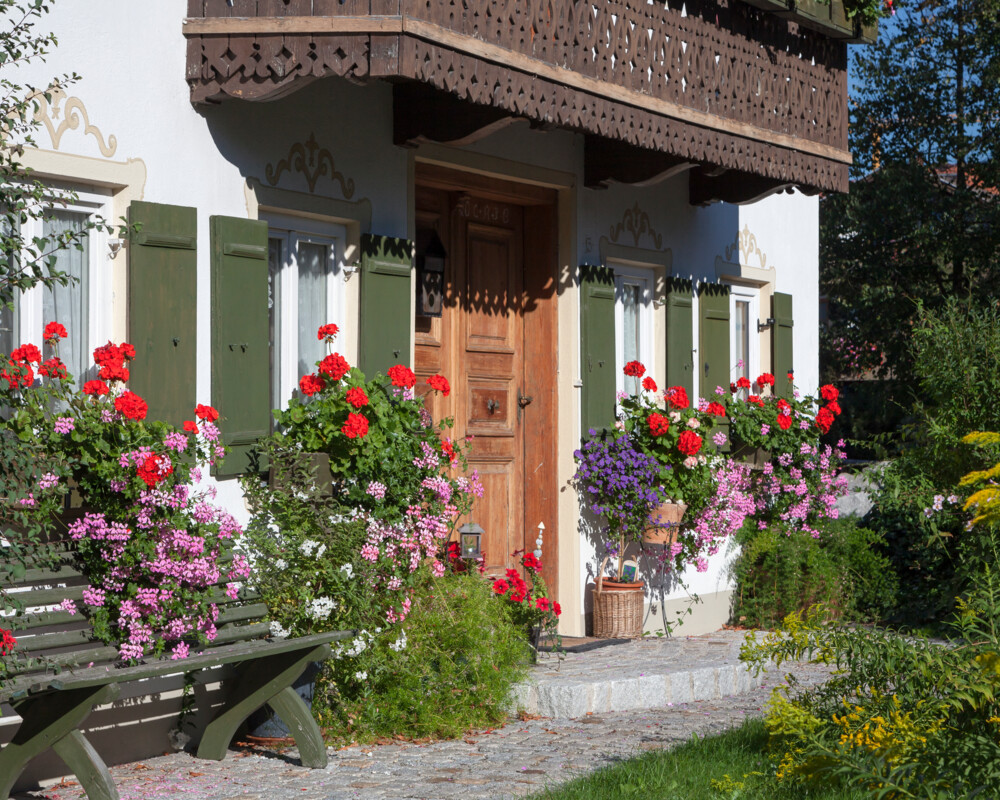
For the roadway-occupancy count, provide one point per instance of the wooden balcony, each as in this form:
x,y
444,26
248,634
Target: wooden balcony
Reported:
x,y
749,101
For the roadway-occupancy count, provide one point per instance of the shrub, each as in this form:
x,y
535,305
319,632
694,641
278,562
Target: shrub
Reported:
x,y
447,669
956,355
778,573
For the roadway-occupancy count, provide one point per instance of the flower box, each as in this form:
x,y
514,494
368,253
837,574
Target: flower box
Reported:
x,y
770,5
827,17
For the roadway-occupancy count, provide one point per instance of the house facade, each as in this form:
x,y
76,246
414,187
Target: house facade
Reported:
x,y
522,196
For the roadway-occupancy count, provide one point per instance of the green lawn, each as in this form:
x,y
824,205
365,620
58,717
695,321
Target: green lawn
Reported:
x,y
687,773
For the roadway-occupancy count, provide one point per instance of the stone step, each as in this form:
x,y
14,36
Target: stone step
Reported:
x,y
648,673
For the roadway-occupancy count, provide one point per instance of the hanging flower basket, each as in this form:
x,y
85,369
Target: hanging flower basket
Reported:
x,y
666,520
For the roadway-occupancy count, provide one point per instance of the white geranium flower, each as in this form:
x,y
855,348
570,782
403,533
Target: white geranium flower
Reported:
x,y
348,570
278,631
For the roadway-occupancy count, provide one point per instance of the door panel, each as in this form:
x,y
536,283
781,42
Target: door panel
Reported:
x,y
480,344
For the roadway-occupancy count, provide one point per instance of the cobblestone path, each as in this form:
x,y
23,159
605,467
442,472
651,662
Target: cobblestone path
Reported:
x,y
509,762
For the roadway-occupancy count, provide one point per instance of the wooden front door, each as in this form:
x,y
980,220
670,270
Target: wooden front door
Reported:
x,y
481,344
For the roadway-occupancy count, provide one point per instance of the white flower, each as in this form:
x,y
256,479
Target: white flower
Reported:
x,y
361,675
320,551
321,608
348,570
278,631
358,646
308,546
690,462
400,644
693,423
675,416
281,564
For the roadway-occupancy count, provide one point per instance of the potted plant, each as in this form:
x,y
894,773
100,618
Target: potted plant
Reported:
x,y
679,438
526,599
620,484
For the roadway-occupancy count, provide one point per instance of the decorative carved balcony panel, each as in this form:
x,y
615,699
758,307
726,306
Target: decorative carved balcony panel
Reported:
x,y
716,84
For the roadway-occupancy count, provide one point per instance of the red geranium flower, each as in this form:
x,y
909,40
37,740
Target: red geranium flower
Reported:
x,y
328,331
191,427
557,608
113,372
677,397
783,406
658,424
689,443
743,383
311,384
765,379
7,641
206,413
824,419
500,586
334,365
26,352
356,426
717,409
18,373
402,376
649,384
440,384
634,369
542,603
55,331
732,388
829,393
449,450
784,421
53,368
518,597
356,397
95,387
791,376
132,406
150,471
127,350
834,406
755,399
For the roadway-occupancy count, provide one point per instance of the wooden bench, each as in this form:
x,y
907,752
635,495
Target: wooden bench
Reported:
x,y
61,672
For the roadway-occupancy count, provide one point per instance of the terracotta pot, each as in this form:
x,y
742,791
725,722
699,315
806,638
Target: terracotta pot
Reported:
x,y
611,585
666,519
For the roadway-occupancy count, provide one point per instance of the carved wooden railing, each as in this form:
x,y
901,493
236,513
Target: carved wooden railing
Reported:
x,y
717,83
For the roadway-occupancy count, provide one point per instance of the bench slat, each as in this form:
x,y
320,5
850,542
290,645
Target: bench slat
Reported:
x,y
217,656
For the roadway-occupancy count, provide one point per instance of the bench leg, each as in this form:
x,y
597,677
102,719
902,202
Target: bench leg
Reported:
x,y
51,721
259,682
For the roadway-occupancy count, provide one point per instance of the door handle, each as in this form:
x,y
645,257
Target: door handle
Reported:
x,y
522,401
492,405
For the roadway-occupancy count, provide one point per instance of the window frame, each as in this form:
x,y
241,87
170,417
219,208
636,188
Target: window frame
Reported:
x,y
293,231
739,293
29,314
645,279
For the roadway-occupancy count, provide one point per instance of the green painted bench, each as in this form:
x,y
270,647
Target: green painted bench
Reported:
x,y
60,672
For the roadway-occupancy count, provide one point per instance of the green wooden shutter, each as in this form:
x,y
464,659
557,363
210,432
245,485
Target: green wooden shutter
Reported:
x,y
386,288
597,326
240,337
680,338
162,295
781,342
713,345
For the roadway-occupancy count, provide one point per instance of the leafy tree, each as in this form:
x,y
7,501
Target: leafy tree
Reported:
x,y
922,220
27,262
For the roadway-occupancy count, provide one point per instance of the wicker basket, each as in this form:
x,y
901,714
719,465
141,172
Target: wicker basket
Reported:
x,y
618,611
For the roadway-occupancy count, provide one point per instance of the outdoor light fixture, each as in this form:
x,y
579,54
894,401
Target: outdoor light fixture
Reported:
x,y
430,278
471,540
768,323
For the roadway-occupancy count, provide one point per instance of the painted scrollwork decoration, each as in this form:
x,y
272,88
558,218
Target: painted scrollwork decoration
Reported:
x,y
313,162
60,113
747,247
637,223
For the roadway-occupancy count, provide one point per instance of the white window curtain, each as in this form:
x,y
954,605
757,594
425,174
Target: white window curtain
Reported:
x,y
314,263
69,304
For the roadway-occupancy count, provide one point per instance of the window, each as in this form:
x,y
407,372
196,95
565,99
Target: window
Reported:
x,y
744,343
634,323
306,281
83,305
